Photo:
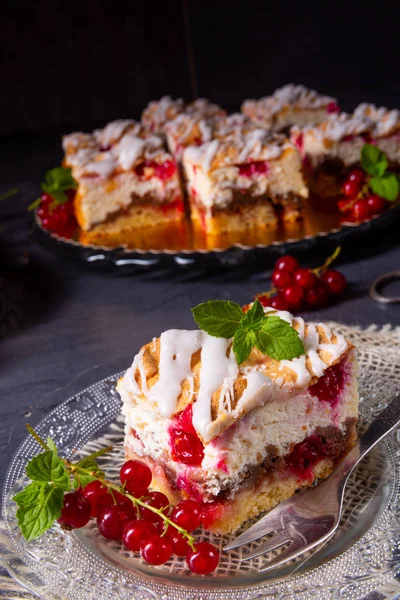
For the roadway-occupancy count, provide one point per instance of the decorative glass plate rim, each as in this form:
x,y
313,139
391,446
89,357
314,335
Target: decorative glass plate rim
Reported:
x,y
253,590
345,229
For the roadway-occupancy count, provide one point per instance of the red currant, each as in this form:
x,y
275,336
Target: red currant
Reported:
x,y
278,302
294,296
345,204
186,448
376,204
317,297
76,510
94,492
135,533
286,263
281,279
329,385
334,281
332,108
356,175
361,210
180,544
157,500
351,188
187,514
46,199
265,300
111,521
204,559
136,476
305,278
156,550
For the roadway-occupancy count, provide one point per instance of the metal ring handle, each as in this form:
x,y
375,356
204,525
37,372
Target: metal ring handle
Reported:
x,y
378,283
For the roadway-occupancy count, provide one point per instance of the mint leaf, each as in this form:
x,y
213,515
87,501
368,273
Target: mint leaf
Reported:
x,y
243,344
48,467
373,160
51,444
82,479
219,318
57,182
386,186
278,339
254,317
39,505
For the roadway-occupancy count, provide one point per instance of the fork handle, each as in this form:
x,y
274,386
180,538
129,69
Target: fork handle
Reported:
x,y
387,420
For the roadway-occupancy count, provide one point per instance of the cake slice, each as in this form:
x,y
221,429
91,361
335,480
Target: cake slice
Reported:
x,y
244,181
290,105
239,439
333,146
125,177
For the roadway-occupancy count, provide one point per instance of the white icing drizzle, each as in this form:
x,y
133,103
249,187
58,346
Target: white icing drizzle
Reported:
x,y
113,131
216,369
176,350
311,344
154,344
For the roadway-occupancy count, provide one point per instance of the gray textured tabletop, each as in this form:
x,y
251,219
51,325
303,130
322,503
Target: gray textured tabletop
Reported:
x,y
59,319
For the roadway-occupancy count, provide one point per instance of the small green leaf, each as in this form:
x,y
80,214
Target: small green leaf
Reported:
x,y
254,317
51,444
82,479
219,318
386,186
57,182
35,204
48,467
278,339
243,344
8,194
373,160
39,505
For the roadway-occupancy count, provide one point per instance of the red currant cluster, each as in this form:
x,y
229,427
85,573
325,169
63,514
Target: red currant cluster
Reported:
x,y
143,520
359,204
295,287
58,218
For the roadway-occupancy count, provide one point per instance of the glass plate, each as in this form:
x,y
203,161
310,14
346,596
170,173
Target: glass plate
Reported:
x,y
362,557
154,249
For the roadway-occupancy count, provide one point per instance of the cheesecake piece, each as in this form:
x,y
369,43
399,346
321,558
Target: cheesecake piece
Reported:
x,y
335,145
290,105
241,182
239,439
122,171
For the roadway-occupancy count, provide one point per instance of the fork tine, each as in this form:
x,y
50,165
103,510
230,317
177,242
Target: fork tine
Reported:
x,y
275,542
271,523
295,549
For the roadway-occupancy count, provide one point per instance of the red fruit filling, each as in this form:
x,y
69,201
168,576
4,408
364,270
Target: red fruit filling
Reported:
x,y
258,167
329,386
332,108
177,204
186,446
163,171
305,456
299,141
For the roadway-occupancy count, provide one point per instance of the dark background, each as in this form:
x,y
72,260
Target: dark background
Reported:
x,y
67,65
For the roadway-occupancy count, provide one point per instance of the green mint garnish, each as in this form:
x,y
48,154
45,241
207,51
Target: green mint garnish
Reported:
x,y
373,160
39,505
386,186
270,334
381,182
57,182
88,464
48,467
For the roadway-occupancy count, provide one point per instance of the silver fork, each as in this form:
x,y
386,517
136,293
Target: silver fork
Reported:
x,y
312,517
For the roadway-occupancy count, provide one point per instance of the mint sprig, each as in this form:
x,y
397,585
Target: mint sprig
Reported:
x,y
375,163
270,334
57,182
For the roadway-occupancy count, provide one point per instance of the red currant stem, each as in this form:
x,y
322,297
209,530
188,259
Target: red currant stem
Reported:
x,y
37,437
136,501
269,294
34,204
8,194
98,453
318,270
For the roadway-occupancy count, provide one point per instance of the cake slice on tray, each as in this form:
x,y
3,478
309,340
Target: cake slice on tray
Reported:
x,y
238,433
290,105
126,179
244,181
333,146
